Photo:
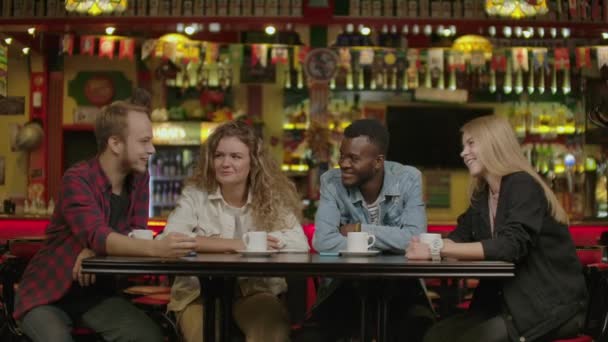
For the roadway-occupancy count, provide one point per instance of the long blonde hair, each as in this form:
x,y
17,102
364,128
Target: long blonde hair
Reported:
x,y
500,153
273,195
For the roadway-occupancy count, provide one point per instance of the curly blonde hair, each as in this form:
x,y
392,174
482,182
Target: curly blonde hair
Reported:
x,y
273,195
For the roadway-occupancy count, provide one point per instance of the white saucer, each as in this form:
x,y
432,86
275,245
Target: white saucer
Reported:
x,y
358,254
257,253
293,250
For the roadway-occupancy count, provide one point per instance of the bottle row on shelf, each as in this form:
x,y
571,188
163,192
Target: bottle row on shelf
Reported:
x,y
166,165
578,179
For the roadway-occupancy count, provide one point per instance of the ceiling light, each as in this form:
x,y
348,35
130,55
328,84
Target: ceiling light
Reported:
x,y
405,29
365,31
507,31
31,30
453,30
565,32
25,50
110,30
215,27
180,27
428,29
270,30
492,30
518,31
541,31
8,40
189,30
553,32
605,35
440,29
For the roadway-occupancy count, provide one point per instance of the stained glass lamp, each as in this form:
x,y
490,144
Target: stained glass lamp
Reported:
x,y
516,9
96,7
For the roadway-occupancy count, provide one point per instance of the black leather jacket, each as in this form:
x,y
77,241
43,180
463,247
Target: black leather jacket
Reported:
x,y
549,287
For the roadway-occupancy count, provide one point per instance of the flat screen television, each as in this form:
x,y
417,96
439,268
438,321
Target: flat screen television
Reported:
x,y
428,136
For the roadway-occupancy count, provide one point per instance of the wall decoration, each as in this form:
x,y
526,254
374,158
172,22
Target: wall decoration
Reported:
x,y
2,169
437,189
99,88
12,105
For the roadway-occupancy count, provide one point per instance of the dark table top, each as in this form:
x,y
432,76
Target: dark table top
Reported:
x,y
229,265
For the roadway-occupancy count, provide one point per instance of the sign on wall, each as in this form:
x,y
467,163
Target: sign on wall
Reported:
x,y
437,189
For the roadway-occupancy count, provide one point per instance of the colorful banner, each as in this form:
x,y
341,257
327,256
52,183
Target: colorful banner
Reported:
x,y
126,48
456,61
212,51
87,45
344,57
539,59
413,58
147,47
366,57
279,55
499,61
602,56
583,57
67,44
436,59
520,58
259,54
562,58
478,60
106,47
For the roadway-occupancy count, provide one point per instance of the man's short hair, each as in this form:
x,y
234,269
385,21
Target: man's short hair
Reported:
x,y
112,120
373,129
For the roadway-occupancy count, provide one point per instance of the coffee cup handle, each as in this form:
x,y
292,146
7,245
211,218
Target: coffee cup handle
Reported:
x,y
245,239
373,238
130,234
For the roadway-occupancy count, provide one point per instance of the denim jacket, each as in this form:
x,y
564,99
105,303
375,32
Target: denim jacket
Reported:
x,y
402,211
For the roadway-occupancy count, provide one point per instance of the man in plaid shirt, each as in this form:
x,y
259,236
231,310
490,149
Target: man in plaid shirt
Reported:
x,y
101,201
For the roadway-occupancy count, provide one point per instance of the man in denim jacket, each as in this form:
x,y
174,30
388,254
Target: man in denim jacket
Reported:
x,y
375,196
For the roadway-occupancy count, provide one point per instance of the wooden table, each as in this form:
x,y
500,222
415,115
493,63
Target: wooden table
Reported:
x,y
218,272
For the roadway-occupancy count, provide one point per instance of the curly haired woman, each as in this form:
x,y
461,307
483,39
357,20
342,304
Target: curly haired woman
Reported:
x,y
237,188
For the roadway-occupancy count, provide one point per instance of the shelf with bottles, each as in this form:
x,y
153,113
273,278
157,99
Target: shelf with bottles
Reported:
x,y
169,168
576,173
546,121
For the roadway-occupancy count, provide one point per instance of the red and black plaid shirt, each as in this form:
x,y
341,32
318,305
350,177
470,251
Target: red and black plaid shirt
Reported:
x,y
80,220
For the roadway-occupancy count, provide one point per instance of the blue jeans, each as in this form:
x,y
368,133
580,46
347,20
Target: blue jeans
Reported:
x,y
114,318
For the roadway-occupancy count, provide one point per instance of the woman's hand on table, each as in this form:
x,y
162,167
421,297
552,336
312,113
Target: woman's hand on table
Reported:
x,y
84,279
174,245
417,250
274,243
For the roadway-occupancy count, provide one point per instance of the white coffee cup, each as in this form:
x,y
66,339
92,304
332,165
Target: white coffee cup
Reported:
x,y
144,234
256,241
428,238
359,241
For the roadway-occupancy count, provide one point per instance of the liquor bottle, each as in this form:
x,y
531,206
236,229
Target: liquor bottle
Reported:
x,y
179,170
157,194
176,192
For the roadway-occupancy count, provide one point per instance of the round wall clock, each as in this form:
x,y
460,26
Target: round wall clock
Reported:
x,y
99,90
321,64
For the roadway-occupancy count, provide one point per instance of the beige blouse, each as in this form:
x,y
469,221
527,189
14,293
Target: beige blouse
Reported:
x,y
209,215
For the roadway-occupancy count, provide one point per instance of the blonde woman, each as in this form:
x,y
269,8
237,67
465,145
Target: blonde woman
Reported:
x,y
237,188
515,217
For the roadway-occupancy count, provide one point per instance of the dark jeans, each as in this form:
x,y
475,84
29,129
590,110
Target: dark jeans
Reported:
x,y
338,317
114,318
477,325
